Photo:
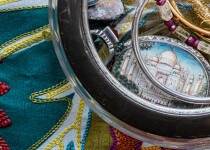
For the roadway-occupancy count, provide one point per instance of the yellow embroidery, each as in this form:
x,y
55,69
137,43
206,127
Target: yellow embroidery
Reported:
x,y
77,123
128,2
25,43
56,92
104,53
40,101
23,8
47,35
24,35
127,25
2,2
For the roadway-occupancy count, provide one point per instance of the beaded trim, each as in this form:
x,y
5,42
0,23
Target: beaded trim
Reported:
x,y
3,145
40,101
4,119
165,11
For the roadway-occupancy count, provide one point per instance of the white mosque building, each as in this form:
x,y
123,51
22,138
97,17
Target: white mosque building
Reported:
x,y
166,69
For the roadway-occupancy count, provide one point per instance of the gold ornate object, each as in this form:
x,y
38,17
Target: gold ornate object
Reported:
x,y
202,10
180,17
204,38
173,3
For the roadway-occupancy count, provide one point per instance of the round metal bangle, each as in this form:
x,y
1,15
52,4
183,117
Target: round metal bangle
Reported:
x,y
173,4
187,23
136,47
121,108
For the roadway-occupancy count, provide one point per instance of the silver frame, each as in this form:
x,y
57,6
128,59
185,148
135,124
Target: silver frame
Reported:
x,y
170,41
136,48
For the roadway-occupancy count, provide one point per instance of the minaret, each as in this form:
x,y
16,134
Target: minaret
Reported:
x,y
125,63
132,68
189,85
198,84
138,76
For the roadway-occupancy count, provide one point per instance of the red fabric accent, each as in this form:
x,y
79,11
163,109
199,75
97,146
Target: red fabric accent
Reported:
x,y
3,88
3,145
4,120
115,32
1,60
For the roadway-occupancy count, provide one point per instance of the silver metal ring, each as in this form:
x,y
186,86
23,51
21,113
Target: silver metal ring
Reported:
x,y
136,48
166,126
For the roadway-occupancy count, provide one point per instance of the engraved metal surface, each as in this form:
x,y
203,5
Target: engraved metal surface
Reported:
x,y
130,75
108,36
136,47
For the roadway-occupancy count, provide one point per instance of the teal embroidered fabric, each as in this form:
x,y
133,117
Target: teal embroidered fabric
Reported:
x,y
16,23
28,72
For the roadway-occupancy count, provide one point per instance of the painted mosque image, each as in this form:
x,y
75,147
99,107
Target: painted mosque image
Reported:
x,y
167,70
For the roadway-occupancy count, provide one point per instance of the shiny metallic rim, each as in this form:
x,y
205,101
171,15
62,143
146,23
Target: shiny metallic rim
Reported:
x,y
123,89
136,133
162,39
136,48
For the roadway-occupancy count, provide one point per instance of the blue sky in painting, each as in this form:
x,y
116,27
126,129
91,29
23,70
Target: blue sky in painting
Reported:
x,y
186,59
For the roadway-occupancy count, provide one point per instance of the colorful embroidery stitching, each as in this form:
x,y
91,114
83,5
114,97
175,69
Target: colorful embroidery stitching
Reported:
x,y
125,142
26,43
40,101
70,146
59,139
4,119
10,42
114,144
86,129
59,91
3,145
3,88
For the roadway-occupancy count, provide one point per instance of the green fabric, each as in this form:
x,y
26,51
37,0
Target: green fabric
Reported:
x,y
26,72
99,137
19,22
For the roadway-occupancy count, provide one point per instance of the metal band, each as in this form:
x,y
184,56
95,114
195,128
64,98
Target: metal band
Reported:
x,y
136,47
117,105
108,36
